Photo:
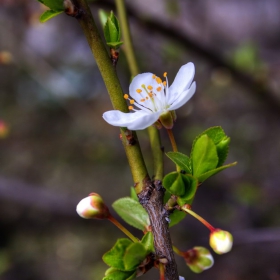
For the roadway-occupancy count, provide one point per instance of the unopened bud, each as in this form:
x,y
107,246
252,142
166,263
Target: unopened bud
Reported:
x,y
93,207
199,259
221,241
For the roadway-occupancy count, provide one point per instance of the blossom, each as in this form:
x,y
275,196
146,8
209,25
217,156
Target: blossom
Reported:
x,y
92,207
154,99
221,241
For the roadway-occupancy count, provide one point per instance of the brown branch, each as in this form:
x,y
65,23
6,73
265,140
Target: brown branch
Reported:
x,y
152,200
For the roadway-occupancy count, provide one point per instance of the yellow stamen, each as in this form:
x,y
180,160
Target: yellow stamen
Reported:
x,y
159,81
130,107
154,76
142,100
150,94
125,96
164,74
164,83
131,101
138,90
149,87
159,89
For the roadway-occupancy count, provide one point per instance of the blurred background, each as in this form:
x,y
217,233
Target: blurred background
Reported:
x,y
55,147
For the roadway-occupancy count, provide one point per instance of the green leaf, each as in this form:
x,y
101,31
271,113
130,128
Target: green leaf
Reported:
x,y
135,253
174,183
115,256
222,150
103,16
115,274
175,217
48,15
181,160
132,212
148,242
204,155
201,178
182,185
133,194
55,5
220,140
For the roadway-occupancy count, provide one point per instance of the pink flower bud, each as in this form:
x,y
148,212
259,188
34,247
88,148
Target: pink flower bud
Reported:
x,y
221,241
198,259
93,207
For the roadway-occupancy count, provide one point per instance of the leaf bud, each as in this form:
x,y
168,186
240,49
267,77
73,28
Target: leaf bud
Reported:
x,y
221,241
93,207
112,31
198,259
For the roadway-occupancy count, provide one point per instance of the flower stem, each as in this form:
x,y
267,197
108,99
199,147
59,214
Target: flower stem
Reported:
x,y
174,145
177,251
161,271
123,229
186,209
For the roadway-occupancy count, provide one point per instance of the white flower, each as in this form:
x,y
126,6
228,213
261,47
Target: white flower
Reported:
x,y
154,99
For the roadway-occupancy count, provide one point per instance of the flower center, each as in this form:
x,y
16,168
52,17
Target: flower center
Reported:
x,y
152,96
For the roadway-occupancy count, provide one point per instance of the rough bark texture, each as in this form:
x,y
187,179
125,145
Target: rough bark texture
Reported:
x,y
152,200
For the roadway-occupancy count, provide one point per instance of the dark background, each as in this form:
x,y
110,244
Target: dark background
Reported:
x,y
58,148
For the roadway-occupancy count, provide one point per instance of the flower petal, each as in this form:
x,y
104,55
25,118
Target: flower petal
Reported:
x,y
134,121
137,82
183,98
181,82
143,97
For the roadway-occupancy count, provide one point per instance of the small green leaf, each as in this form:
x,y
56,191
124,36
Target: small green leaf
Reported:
x,y
103,16
112,31
133,194
135,253
182,185
175,217
55,5
222,150
220,140
48,15
132,212
115,274
201,178
181,160
204,155
174,183
148,242
115,256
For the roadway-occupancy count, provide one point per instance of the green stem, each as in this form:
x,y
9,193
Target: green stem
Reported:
x,y
128,47
123,229
186,209
174,145
157,152
109,75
